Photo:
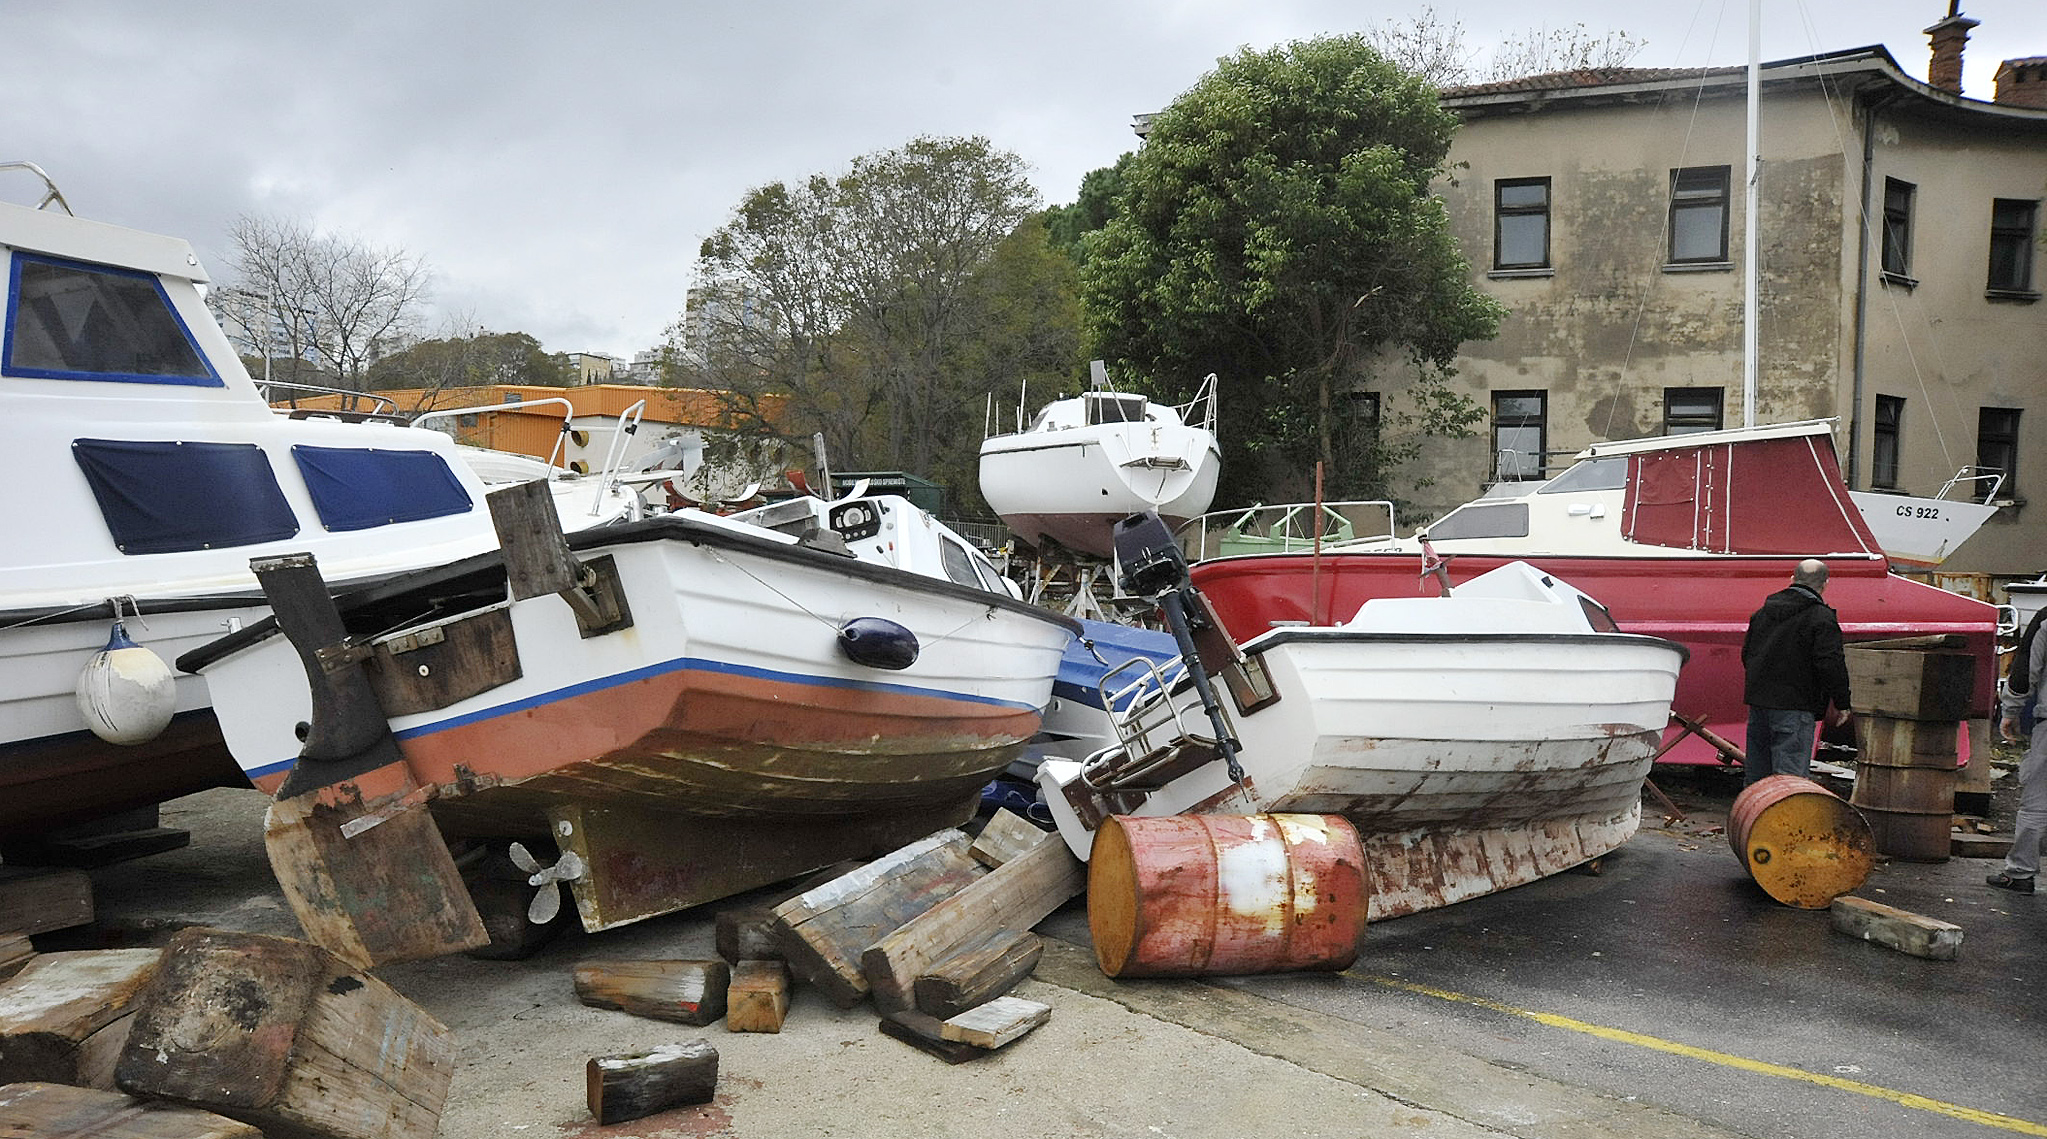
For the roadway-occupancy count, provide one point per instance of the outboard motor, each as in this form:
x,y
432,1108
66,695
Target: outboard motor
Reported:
x,y
1151,566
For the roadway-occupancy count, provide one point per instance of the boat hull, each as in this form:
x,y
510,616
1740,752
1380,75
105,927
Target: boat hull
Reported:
x,y
1701,603
1072,486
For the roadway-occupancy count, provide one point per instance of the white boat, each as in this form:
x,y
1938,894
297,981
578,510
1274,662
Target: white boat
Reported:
x,y
1918,533
1087,461
719,704
149,470
1477,741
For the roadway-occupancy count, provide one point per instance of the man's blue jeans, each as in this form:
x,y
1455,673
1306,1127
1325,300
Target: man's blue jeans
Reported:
x,y
1780,742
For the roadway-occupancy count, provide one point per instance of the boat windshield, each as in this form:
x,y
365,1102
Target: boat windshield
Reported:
x,y
1593,474
1108,407
1483,520
72,321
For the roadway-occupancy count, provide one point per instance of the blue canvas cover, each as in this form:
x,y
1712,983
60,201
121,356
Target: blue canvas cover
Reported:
x,y
356,488
1103,646
162,497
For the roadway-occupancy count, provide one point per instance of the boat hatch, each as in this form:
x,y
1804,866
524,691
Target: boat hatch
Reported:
x,y
67,320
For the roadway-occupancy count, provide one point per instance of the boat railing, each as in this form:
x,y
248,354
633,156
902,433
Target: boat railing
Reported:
x,y
1140,708
51,194
346,400
611,473
1285,528
1971,476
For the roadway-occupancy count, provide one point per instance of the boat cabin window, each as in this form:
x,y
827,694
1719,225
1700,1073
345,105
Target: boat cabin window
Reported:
x,y
959,564
165,497
358,488
1107,407
1592,474
71,321
1483,520
1597,615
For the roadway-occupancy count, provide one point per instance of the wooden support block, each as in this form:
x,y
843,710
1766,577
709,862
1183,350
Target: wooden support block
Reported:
x,y
65,1016
37,901
1968,845
686,992
824,931
639,1084
1016,895
1913,683
979,973
999,1022
55,1111
1006,835
927,1033
1906,932
758,1000
287,1036
747,933
15,952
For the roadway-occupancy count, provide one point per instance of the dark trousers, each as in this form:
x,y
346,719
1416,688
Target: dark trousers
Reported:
x,y
1780,742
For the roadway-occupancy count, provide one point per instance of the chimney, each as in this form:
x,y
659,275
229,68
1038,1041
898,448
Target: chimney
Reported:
x,y
2023,82
1949,36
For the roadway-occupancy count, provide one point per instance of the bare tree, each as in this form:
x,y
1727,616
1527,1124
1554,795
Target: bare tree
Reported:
x,y
330,298
1432,46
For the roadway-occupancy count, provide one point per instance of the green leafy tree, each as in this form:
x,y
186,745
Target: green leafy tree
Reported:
x,y
1277,229
459,361
1065,226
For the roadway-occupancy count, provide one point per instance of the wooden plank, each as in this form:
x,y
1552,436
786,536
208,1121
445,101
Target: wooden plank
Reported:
x,y
1963,845
1017,895
1006,835
639,1084
537,558
55,1111
15,951
927,1033
1913,684
1893,928
824,931
748,932
65,1014
978,973
758,1000
686,992
1001,1021
39,900
286,1036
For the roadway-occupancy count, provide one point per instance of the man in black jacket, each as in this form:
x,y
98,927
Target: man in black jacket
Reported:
x,y
1794,668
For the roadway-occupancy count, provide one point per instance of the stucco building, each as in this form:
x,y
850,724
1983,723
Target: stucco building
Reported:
x,y
1900,274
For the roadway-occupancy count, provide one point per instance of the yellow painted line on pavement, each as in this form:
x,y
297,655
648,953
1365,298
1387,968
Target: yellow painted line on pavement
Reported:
x,y
1725,1059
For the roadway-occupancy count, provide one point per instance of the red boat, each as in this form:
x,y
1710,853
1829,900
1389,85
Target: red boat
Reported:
x,y
1681,537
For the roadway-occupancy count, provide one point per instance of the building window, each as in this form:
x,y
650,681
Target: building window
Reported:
x,y
1521,223
1698,214
1997,448
1519,428
1687,411
1898,228
1883,459
2011,245
1363,409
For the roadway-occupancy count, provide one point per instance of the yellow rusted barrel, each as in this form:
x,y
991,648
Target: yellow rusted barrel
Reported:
x,y
1218,895
1801,843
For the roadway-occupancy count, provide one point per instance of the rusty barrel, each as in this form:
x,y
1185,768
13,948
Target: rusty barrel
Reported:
x,y
1801,843
1216,895
1905,775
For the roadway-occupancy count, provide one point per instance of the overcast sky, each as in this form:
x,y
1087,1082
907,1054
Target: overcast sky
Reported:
x,y
558,164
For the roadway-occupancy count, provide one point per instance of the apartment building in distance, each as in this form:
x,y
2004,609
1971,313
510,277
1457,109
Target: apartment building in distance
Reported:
x,y
1900,271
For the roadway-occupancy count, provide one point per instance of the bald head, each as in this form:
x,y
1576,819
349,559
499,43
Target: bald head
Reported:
x,y
1812,574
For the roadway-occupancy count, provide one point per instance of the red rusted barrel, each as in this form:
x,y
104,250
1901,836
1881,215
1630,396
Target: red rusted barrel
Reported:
x,y
1208,895
1905,784
1799,841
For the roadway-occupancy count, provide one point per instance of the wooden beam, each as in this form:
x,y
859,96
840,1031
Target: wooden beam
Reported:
x,y
639,1084
824,931
999,1022
1016,895
686,992
758,1000
37,900
1006,835
927,1033
65,1016
978,973
15,951
54,1111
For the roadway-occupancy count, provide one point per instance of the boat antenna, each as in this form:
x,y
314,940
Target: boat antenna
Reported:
x,y
824,466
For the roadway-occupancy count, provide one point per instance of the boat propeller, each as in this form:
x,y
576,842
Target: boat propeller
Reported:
x,y
551,880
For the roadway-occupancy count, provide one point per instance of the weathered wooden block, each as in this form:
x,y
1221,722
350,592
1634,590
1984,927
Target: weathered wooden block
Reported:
x,y
758,1000
824,931
1893,928
979,973
65,1016
15,951
1006,835
1912,683
926,1033
641,1083
686,992
286,1036
36,900
999,1022
1892,741
748,935
1016,895
1966,845
55,1111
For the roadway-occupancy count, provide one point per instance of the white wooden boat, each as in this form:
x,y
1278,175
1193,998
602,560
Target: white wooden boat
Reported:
x,y
1477,741
1919,533
1087,461
699,706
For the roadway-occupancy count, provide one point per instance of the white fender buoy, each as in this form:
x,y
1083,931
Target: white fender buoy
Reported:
x,y
127,694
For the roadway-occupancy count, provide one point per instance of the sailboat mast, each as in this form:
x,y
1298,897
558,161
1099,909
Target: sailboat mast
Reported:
x,y
1748,217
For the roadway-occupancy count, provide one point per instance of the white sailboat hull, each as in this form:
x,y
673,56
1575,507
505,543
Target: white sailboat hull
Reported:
x,y
1072,485
1919,533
